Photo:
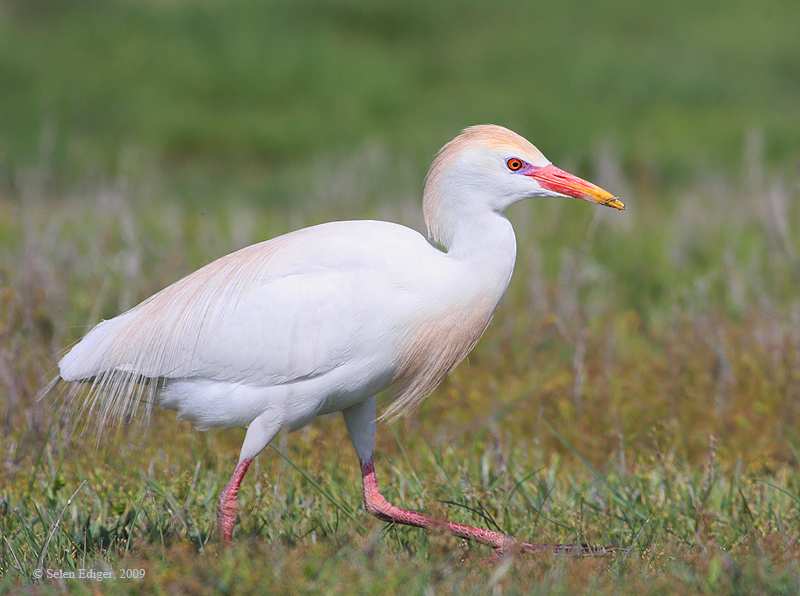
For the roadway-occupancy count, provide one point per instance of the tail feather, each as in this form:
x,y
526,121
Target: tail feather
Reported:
x,y
121,360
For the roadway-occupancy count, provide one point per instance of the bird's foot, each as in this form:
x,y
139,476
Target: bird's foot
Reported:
x,y
503,544
575,550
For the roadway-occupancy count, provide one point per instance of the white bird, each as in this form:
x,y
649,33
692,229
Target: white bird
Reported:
x,y
326,318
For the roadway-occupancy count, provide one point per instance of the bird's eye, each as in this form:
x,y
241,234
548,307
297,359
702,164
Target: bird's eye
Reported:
x,y
514,164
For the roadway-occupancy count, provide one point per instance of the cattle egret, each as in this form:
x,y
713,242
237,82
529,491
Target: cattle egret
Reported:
x,y
326,318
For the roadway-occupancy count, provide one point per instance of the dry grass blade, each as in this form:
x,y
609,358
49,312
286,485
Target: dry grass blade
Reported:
x,y
43,552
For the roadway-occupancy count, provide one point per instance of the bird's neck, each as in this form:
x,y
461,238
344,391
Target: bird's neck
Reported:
x,y
468,228
486,243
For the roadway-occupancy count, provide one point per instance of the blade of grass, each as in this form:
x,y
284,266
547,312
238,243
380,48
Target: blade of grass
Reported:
x,y
335,502
40,456
55,527
538,509
482,513
617,497
794,498
405,456
17,565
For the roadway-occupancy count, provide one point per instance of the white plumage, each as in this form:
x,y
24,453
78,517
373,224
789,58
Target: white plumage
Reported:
x,y
323,319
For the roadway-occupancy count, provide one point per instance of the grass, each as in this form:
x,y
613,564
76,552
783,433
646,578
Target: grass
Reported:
x,y
604,405
639,385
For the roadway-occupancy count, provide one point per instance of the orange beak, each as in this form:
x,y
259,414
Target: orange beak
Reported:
x,y
552,178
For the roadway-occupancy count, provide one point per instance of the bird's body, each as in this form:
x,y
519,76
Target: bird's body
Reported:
x,y
305,324
325,318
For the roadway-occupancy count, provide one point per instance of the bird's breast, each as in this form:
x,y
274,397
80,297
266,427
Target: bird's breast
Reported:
x,y
432,349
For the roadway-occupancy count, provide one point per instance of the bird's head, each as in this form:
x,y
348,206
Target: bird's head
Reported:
x,y
491,167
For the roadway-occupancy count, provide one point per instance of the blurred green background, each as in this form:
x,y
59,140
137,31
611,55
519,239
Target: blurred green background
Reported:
x,y
215,91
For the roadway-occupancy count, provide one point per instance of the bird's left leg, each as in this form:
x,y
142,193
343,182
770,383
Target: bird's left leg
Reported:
x,y
228,505
259,434
360,422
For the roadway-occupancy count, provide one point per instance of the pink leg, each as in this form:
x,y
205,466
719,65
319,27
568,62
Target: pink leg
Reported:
x,y
227,504
378,506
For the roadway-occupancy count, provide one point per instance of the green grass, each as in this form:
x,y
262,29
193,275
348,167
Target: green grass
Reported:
x,y
639,385
637,389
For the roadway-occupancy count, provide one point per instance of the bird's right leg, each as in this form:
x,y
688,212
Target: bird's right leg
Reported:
x,y
259,434
360,422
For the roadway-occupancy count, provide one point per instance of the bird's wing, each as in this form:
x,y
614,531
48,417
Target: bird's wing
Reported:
x,y
282,310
